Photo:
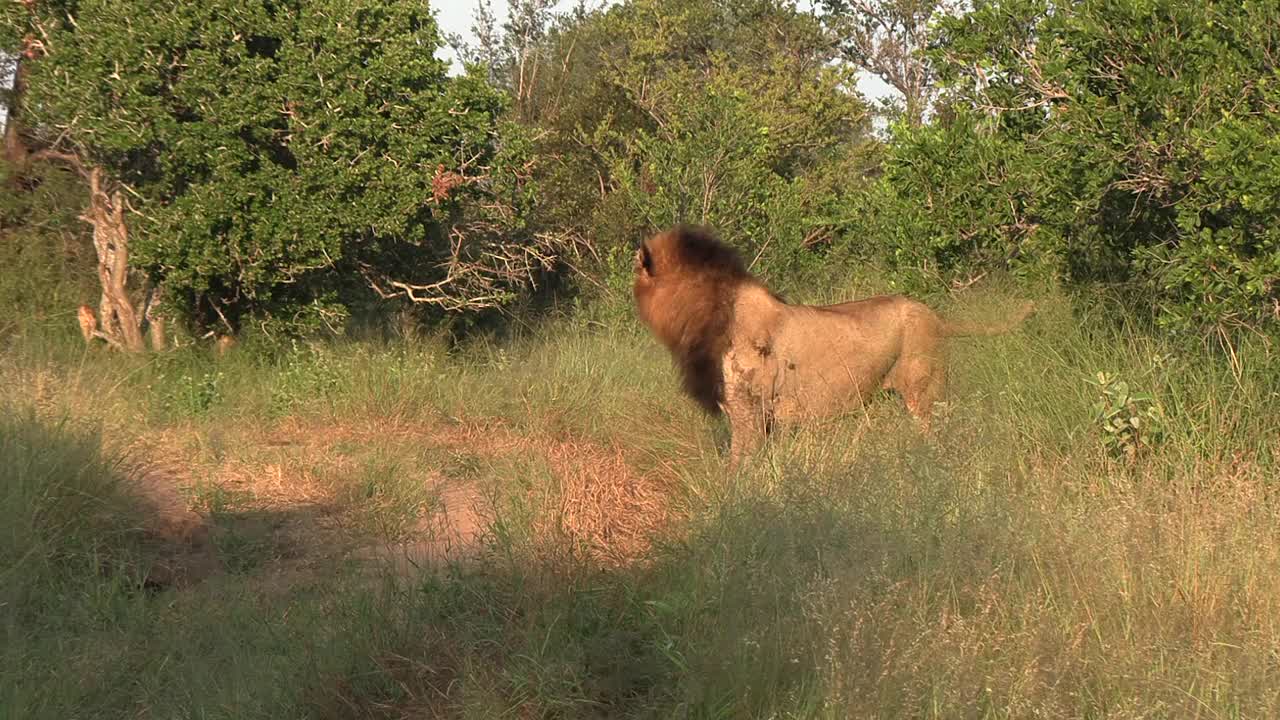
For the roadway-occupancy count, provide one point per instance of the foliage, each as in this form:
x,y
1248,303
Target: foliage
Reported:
x,y
1131,421
949,205
1107,141
289,169
44,249
719,112
283,157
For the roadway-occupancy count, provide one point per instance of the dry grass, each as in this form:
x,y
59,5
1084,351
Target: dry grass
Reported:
x,y
553,534
596,508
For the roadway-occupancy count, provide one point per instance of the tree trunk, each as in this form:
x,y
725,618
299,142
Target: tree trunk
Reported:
x,y
15,150
154,320
120,322
159,340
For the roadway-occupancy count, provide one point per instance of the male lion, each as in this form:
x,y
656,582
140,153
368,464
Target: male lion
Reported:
x,y
743,350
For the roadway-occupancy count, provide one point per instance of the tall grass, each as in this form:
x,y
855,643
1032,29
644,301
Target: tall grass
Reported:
x,y
1011,566
63,515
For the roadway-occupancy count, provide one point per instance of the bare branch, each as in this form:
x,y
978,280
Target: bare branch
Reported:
x,y
887,38
480,272
69,159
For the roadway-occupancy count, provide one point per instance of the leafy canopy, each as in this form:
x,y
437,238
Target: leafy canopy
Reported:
x,y
730,113
277,153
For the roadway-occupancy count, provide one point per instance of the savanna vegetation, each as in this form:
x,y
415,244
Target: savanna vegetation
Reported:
x,y
363,424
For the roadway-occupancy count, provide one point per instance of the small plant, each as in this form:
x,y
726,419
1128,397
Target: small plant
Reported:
x,y
189,394
308,374
1131,422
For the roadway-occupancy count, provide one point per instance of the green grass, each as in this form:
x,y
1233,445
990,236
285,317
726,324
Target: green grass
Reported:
x,y
1012,567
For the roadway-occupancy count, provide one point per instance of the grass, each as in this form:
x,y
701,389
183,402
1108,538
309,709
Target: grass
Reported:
x,y
1012,567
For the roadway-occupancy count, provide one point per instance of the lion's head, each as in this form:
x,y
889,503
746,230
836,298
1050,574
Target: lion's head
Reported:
x,y
685,284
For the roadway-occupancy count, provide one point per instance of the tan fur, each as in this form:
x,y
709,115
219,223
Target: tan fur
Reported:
x,y
224,344
88,322
744,351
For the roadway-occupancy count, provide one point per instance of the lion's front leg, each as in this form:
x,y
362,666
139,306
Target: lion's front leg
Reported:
x,y
747,431
745,406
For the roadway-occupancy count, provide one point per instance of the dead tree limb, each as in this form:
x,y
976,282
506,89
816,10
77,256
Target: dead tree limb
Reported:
x,y
118,322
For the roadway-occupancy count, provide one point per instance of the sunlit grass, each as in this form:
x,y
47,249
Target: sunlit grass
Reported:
x,y
1011,566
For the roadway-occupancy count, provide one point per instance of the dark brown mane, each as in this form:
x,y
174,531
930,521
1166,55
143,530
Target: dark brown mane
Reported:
x,y
701,251
686,284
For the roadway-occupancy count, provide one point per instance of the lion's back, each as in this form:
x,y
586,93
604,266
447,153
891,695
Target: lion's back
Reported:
x,y
823,358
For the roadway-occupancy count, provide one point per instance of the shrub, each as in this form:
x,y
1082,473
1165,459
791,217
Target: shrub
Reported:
x,y
1102,141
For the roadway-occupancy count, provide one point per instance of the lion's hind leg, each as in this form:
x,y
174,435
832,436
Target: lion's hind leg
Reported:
x,y
920,374
921,382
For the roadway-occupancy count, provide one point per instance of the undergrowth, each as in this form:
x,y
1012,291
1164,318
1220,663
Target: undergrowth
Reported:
x,y
1019,564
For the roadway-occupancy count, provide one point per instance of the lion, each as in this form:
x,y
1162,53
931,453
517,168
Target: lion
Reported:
x,y
88,323
743,351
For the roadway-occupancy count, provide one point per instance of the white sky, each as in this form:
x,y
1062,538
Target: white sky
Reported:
x,y
455,16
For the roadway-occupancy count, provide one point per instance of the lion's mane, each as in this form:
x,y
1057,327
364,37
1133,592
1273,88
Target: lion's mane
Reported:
x,y
685,286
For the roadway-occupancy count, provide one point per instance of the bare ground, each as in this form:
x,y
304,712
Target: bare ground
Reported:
x,y
276,502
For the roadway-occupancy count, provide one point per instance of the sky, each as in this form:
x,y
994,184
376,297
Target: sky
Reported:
x,y
455,16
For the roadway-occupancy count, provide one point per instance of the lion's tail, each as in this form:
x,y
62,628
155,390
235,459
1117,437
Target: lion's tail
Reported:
x,y
974,329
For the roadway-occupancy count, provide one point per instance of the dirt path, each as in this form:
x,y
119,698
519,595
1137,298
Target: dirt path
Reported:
x,y
281,502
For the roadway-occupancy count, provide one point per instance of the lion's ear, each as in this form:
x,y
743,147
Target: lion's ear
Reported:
x,y
644,260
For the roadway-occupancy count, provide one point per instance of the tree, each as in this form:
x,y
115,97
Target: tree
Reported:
x,y
117,321
724,112
1133,144
513,52
888,39
274,162
487,48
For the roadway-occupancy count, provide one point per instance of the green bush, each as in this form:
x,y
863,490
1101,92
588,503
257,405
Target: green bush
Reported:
x,y
1103,141
1131,421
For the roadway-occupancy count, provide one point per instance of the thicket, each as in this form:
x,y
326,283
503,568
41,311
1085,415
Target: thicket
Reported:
x,y
1106,143
46,257
285,165
278,163
1109,141
730,114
